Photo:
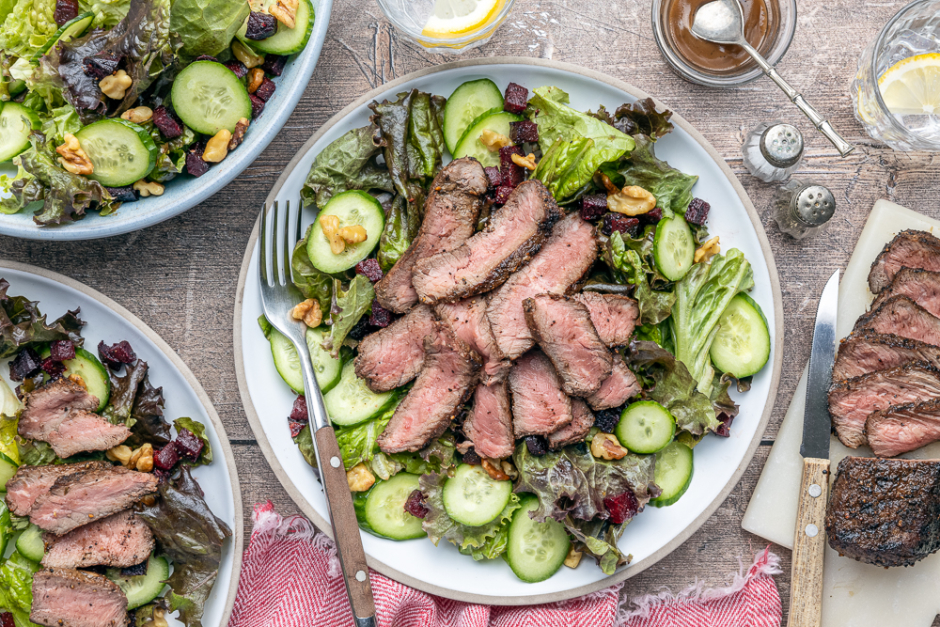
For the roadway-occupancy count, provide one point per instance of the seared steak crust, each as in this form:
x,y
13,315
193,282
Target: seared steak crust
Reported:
x,y
921,286
489,424
867,351
902,316
539,407
467,320
31,482
616,389
121,540
614,316
910,249
581,422
903,428
63,597
393,356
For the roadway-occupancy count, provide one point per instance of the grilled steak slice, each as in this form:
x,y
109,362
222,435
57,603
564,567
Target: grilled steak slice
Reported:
x,y
60,413
851,402
467,320
885,512
616,389
484,262
450,215
539,407
613,316
866,351
909,249
393,356
63,597
31,482
921,286
120,540
564,259
489,425
903,428
902,316
81,498
563,329
577,429
451,371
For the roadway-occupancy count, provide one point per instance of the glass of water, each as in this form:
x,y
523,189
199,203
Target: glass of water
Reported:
x,y
910,41
447,26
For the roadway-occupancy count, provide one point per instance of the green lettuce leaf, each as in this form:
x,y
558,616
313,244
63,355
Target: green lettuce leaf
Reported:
x,y
631,261
199,430
123,393
567,167
359,443
28,26
638,118
304,442
107,12
22,324
61,120
598,538
147,416
16,591
172,158
672,188
401,227
307,278
347,163
346,310
207,26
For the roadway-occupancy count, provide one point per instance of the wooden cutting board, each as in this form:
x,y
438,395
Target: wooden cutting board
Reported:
x,y
854,594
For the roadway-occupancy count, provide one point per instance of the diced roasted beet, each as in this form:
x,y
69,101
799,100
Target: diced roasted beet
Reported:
x,y
206,57
523,132
100,65
493,177
6,620
536,444
606,419
189,444
296,428
61,350
123,194
260,25
274,64
697,212
169,126
257,105
653,216
52,367
135,571
516,99
512,174
65,10
195,164
502,195
298,412
593,206
622,507
370,269
25,364
116,354
380,317
359,330
620,223
724,428
237,67
265,90
471,457
415,504
166,458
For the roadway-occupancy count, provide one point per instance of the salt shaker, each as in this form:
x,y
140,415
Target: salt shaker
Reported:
x,y
772,152
803,208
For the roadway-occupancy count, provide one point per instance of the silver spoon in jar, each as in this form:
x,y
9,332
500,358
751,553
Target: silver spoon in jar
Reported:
x,y
722,22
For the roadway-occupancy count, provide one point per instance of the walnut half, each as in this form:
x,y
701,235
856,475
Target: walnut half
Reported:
x,y
73,158
286,12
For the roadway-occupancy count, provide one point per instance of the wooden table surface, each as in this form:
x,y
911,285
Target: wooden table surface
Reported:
x,y
180,276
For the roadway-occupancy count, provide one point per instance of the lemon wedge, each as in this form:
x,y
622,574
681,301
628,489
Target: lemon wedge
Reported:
x,y
457,17
912,86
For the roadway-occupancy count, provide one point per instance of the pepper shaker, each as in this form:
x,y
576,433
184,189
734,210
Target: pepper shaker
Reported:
x,y
772,152
803,208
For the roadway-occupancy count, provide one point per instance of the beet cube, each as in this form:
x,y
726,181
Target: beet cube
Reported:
x,y
6,620
359,330
238,68
62,350
606,419
697,212
257,105
260,25
370,269
100,65
493,177
206,57
502,195
296,428
195,164
622,507
52,367
116,354
298,412
536,444
724,428
472,457
124,194
516,99
265,90
274,64
512,174
653,216
381,317
169,126
25,364
593,206
620,223
166,458
523,132
65,11
189,444
415,504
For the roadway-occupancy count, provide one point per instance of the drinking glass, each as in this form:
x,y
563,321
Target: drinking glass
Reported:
x,y
410,17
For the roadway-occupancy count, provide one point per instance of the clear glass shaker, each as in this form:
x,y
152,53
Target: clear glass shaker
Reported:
x,y
803,208
773,151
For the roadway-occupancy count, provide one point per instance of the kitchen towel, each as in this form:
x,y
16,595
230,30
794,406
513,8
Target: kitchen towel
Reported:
x,y
291,578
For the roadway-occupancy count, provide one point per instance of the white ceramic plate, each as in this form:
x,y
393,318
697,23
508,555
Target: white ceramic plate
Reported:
x,y
719,462
108,321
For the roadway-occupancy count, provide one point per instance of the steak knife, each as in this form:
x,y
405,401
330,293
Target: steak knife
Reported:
x,y
809,542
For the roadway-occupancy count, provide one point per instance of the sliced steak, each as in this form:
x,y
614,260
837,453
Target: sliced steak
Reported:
x,y
909,249
852,401
885,512
563,330
614,316
393,356
616,389
31,482
450,216
63,597
467,320
921,286
581,422
81,498
866,351
489,425
903,428
902,316
484,262
564,259
121,540
539,407
451,371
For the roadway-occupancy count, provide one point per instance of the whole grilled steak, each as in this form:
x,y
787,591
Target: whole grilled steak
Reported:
x,y
81,498
450,215
564,259
563,329
885,512
467,320
539,407
581,422
489,425
903,428
393,356
909,249
616,389
31,482
484,262
921,286
60,413
866,351
613,316
120,540
63,597
450,373
852,401
902,316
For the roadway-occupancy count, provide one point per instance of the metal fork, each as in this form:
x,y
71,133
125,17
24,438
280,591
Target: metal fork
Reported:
x,y
278,297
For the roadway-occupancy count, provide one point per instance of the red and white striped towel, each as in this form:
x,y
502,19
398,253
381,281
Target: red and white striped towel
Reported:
x,y
291,578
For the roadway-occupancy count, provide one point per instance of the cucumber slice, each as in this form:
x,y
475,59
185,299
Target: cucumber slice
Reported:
x,y
535,550
16,123
285,40
16,87
142,589
470,144
673,248
468,102
75,27
7,469
742,344
472,497
385,508
325,368
646,427
673,473
6,527
92,372
30,544
352,208
207,96
352,402
121,152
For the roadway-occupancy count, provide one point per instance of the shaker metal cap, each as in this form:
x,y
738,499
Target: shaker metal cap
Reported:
x,y
782,145
815,204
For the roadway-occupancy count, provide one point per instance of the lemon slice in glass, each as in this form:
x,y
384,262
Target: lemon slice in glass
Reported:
x,y
912,86
457,17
